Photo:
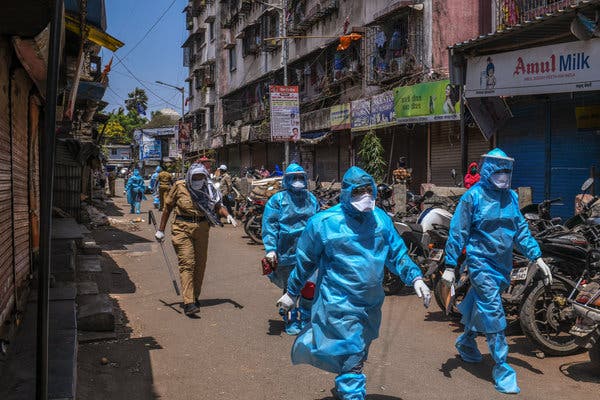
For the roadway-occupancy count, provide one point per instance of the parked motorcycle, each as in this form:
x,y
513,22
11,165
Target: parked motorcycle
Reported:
x,y
253,219
585,300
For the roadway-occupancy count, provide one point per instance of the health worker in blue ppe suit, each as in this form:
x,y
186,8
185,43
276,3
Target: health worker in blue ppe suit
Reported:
x,y
488,222
284,219
349,244
154,187
135,189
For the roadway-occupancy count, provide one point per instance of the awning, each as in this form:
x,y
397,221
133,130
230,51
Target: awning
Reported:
x,y
551,28
94,34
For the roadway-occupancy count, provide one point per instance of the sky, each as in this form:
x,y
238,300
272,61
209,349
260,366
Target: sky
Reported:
x,y
158,56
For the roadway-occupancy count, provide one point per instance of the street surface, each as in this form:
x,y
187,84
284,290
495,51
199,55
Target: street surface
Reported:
x,y
236,349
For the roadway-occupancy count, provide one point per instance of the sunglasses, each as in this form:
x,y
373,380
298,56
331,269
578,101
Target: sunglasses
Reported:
x,y
359,191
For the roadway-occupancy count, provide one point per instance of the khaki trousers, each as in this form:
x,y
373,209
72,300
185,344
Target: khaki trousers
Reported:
x,y
190,241
162,193
111,187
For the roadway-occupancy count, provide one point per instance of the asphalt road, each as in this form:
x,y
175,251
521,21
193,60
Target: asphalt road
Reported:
x,y
236,350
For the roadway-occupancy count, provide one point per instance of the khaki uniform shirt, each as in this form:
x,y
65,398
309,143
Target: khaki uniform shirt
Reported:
x,y
180,199
164,180
226,184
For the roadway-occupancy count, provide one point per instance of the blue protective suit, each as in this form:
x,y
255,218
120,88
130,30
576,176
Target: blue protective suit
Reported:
x,y
135,189
488,223
350,249
154,187
285,217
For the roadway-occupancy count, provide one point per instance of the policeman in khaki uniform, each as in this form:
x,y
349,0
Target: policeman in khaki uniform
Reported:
x,y
197,204
164,185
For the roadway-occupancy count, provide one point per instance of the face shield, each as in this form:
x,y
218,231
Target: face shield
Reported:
x,y
298,182
362,198
501,179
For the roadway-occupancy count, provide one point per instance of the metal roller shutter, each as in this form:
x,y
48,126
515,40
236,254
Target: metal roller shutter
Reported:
x,y
20,87
6,248
275,155
477,145
67,181
445,152
574,152
523,139
326,159
246,160
34,171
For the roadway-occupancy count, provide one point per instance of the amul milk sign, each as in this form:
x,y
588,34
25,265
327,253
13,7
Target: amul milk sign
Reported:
x,y
566,67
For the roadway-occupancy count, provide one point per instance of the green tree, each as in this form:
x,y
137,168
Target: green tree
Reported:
x,y
136,97
120,126
371,156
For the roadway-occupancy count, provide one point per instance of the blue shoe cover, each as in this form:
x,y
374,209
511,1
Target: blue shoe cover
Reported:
x,y
351,386
467,347
292,323
505,379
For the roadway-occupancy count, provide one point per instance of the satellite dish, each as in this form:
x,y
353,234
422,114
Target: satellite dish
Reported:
x,y
584,28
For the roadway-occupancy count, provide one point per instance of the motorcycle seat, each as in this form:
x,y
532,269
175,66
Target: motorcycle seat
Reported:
x,y
416,227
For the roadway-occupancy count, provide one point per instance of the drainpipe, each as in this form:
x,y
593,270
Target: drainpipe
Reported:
x,y
48,144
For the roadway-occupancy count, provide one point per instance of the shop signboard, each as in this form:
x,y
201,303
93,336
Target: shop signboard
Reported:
x,y
382,110
558,68
285,113
150,148
339,117
427,102
361,115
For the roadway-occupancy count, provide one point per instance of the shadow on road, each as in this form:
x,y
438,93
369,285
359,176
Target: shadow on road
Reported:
x,y
580,372
203,303
116,238
370,397
482,370
276,327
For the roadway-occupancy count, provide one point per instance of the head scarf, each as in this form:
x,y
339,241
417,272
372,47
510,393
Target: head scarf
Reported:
x,y
206,198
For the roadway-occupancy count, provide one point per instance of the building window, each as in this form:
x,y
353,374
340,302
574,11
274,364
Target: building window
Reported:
x,y
211,117
232,59
211,30
251,40
113,152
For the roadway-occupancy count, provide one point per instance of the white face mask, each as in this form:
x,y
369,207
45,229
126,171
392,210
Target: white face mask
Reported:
x,y
298,185
363,203
199,184
501,180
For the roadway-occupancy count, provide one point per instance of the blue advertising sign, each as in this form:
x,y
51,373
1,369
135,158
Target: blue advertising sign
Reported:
x,y
382,110
361,114
151,150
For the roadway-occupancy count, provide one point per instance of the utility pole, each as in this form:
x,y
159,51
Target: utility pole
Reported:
x,y
285,56
181,89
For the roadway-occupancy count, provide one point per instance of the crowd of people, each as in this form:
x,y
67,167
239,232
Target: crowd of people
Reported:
x,y
329,264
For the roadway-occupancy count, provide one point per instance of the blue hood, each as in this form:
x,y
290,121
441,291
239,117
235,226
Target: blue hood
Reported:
x,y
353,178
494,161
293,169
158,169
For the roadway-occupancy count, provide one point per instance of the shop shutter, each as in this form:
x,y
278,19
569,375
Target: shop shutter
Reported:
x,y
233,159
20,87
6,245
67,181
246,160
344,148
259,155
275,155
445,152
307,158
326,159
523,139
34,171
477,145
574,152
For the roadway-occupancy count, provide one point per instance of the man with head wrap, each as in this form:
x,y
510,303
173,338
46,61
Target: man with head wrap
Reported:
x,y
488,223
197,205
349,244
284,219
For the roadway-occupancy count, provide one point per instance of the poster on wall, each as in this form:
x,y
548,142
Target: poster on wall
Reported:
x,y
285,113
183,136
382,110
150,149
559,68
361,114
427,102
339,117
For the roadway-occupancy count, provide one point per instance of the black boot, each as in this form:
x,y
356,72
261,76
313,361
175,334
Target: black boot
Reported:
x,y
190,309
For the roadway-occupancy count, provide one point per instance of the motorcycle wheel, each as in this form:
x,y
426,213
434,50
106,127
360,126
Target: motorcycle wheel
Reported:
x,y
253,228
392,284
541,321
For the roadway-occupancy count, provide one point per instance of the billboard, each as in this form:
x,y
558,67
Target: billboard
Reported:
x,y
285,113
361,114
427,102
339,117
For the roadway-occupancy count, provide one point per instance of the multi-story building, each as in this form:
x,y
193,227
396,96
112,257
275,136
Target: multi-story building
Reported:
x,y
401,43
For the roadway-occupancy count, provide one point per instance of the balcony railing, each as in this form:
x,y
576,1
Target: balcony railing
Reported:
x,y
510,13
